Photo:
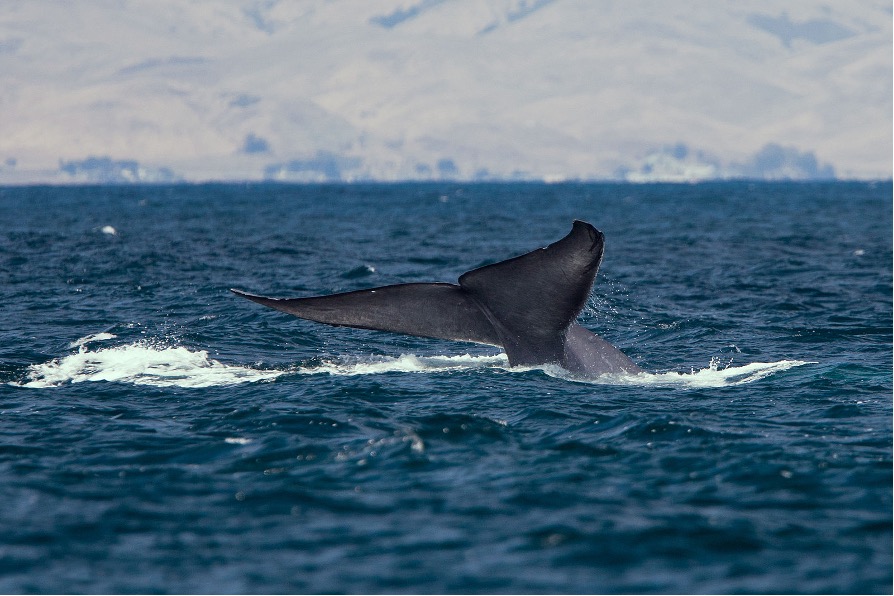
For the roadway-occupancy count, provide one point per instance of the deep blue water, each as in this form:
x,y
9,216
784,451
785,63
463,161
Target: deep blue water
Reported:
x,y
159,434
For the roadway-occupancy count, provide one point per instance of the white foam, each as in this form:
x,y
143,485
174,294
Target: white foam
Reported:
x,y
406,363
143,364
109,230
91,338
712,376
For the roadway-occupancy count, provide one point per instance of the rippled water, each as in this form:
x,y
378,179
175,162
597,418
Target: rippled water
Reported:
x,y
162,435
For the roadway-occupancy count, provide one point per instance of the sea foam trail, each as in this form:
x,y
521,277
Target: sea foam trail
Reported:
x,y
143,363
405,363
711,376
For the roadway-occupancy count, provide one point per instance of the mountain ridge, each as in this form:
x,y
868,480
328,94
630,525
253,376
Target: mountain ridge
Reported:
x,y
544,90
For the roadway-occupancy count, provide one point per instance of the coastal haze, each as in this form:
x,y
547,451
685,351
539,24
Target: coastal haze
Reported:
x,y
395,90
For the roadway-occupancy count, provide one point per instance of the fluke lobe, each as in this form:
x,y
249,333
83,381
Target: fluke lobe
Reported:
x,y
526,305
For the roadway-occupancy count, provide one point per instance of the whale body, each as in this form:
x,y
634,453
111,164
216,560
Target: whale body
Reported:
x,y
527,305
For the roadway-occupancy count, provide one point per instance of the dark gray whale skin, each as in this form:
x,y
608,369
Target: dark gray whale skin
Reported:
x,y
526,305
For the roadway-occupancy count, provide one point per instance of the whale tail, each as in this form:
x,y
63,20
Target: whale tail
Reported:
x,y
439,311
527,305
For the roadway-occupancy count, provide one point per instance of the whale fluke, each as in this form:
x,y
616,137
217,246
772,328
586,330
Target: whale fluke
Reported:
x,y
527,305
437,310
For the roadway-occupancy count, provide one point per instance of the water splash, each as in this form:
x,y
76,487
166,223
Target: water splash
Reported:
x,y
711,376
405,363
92,338
145,363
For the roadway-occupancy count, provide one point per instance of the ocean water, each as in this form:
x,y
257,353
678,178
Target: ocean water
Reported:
x,y
159,434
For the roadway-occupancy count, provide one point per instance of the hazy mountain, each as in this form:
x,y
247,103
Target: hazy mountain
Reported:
x,y
351,89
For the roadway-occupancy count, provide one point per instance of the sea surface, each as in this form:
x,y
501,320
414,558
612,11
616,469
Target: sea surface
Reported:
x,y
159,434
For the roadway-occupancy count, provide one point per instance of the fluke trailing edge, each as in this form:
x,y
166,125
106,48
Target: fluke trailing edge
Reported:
x,y
526,305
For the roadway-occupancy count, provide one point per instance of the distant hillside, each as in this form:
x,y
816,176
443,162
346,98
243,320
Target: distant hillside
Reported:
x,y
440,89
